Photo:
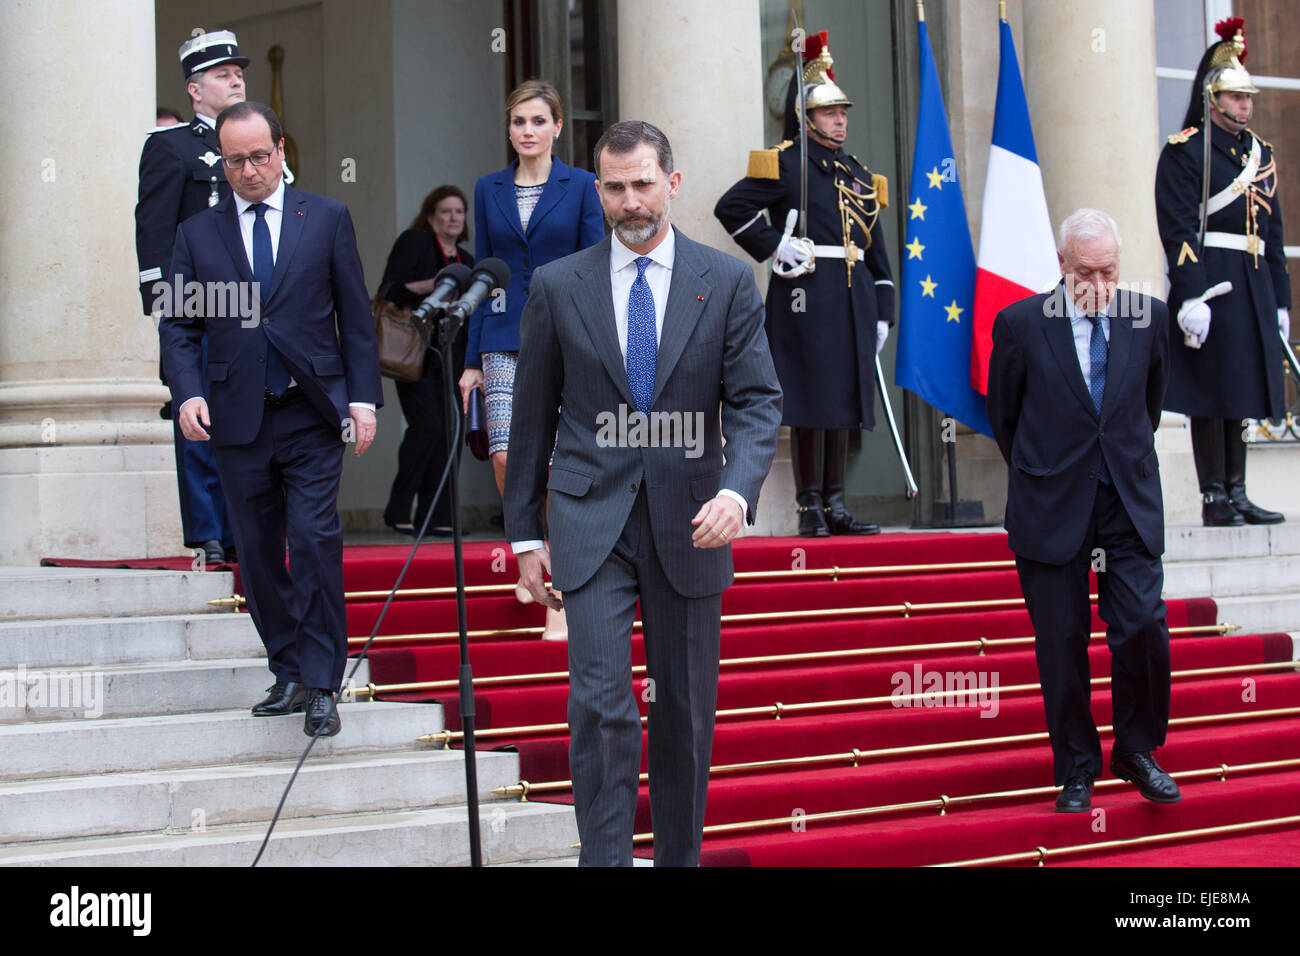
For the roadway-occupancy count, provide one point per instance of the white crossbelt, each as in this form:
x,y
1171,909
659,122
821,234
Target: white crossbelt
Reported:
x,y
1238,187
1233,240
837,252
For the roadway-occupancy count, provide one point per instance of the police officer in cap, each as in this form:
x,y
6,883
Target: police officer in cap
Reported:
x,y
830,302
181,174
1228,287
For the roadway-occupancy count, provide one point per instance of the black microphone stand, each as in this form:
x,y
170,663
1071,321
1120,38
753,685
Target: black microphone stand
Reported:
x,y
448,327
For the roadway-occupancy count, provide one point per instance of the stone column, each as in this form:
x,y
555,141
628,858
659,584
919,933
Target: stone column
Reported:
x,y
86,465
695,70
1090,78
1091,67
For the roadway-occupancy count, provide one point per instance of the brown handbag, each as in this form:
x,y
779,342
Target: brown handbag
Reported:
x,y
401,349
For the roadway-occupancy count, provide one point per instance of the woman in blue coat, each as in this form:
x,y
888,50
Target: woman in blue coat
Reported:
x,y
534,211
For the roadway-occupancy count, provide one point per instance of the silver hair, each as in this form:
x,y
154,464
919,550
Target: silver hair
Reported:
x,y
195,77
1086,224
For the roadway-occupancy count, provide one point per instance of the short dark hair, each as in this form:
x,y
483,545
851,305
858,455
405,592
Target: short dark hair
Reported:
x,y
246,108
166,112
430,206
626,136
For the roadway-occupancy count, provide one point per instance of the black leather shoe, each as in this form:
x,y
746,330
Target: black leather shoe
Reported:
x,y
812,521
1217,511
1076,795
321,713
1234,478
835,466
1250,512
842,522
213,552
1151,781
285,697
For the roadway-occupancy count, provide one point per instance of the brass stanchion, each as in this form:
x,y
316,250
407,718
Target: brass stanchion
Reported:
x,y
906,609
1039,854
943,802
855,757
777,710
981,645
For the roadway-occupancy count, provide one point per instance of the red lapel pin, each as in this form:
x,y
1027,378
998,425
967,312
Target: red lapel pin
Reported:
x,y
700,297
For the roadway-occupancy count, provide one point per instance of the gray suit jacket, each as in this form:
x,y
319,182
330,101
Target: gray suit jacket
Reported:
x,y
713,367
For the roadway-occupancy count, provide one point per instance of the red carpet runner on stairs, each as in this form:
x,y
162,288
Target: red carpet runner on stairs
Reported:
x,y
886,763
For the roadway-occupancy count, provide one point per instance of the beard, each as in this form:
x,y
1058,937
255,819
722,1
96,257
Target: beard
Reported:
x,y
634,231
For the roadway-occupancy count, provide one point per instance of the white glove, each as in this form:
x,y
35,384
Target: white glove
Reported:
x,y
1284,323
1194,320
794,252
882,333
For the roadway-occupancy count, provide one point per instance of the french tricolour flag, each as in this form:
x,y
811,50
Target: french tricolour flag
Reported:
x,y
1017,255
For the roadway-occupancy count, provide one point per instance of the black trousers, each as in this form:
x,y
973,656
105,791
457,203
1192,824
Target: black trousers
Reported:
x,y
285,484
1129,602
423,453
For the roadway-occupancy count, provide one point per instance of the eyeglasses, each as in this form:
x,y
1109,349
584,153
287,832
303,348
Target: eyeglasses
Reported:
x,y
237,162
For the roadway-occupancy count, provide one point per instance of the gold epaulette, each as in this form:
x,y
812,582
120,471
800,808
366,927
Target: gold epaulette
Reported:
x,y
1183,135
881,185
1262,140
766,163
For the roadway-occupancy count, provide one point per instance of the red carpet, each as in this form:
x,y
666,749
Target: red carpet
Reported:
x,y
848,738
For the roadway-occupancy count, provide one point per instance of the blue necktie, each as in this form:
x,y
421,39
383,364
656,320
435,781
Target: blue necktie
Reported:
x,y
642,344
277,376
1097,375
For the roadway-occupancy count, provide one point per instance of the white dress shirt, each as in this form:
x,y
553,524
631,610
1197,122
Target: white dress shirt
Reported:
x,y
1081,326
658,275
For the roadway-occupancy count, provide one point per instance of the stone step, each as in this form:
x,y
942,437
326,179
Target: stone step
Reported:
x,y
1261,614
44,593
1274,575
111,745
128,640
189,800
437,836
138,690
1192,542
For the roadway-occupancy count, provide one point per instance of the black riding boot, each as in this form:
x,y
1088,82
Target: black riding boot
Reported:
x,y
806,458
1208,451
1234,472
838,517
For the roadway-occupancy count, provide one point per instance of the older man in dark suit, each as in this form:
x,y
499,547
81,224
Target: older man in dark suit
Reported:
x,y
645,351
1076,381
293,374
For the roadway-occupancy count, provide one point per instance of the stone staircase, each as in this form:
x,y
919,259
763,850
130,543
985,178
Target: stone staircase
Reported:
x,y
1252,572
125,740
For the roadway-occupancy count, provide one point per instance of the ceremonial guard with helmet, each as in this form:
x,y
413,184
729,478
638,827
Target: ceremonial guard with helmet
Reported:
x,y
181,174
1220,222
830,302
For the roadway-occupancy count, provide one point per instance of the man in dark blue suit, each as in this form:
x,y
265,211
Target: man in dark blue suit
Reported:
x,y
293,373
1076,381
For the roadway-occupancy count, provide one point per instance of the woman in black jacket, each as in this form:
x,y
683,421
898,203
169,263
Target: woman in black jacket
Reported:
x,y
432,242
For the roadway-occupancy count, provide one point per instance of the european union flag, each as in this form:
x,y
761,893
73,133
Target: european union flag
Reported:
x,y
938,294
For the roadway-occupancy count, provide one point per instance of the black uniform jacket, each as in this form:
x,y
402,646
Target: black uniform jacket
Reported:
x,y
821,330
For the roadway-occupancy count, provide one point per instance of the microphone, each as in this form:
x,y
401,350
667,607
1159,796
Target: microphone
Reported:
x,y
490,274
450,282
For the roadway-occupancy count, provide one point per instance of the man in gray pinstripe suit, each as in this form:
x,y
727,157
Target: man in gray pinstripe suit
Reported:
x,y
660,335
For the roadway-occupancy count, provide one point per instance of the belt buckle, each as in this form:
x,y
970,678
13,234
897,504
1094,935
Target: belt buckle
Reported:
x,y
1252,245
852,253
